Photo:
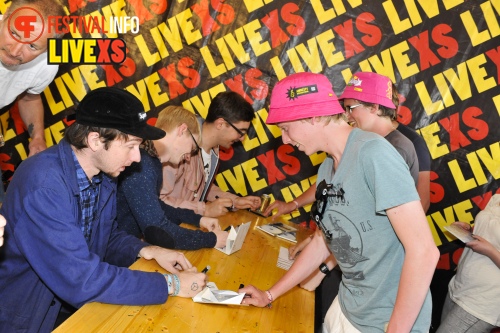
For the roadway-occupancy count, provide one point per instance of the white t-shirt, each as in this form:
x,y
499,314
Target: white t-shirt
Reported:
x,y
475,287
32,77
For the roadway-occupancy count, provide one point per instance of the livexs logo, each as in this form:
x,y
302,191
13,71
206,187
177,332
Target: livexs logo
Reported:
x,y
77,50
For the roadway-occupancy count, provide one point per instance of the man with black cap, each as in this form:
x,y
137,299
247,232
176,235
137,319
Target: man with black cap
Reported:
x,y
62,246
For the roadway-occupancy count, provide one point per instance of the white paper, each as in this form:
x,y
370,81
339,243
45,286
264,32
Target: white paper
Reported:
x,y
464,235
283,261
235,239
290,236
275,229
212,295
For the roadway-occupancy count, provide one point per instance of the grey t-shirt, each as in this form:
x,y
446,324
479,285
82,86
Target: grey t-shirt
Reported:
x,y
406,149
374,178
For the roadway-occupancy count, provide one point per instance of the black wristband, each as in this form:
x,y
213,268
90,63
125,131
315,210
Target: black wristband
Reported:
x,y
324,268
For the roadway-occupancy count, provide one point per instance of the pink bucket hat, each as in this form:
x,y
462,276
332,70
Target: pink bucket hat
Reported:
x,y
300,96
370,88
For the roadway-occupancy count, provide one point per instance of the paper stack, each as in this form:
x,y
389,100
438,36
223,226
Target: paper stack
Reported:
x,y
283,261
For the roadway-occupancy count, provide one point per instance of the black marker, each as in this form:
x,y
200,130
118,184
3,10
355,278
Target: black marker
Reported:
x,y
205,270
228,228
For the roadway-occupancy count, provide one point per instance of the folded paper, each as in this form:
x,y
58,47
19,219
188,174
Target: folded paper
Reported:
x,y
235,239
212,295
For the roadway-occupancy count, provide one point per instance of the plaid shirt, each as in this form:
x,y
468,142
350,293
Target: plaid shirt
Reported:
x,y
89,195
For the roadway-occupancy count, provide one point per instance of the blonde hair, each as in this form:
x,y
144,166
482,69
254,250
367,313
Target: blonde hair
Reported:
x,y
173,116
336,118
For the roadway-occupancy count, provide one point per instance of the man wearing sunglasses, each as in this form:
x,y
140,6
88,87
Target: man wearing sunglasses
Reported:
x,y
190,185
364,210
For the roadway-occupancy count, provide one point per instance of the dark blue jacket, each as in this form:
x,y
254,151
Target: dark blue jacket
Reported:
x,y
45,258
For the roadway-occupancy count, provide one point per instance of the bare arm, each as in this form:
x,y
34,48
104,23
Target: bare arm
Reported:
x,y
424,189
314,254
421,256
482,246
305,198
31,112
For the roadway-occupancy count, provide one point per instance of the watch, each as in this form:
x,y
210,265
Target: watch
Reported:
x,y
324,268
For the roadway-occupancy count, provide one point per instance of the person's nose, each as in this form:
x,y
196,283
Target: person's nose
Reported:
x,y
285,138
135,155
16,49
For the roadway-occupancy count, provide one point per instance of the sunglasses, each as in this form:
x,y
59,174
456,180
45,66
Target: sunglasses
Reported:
x,y
349,108
197,149
323,192
240,132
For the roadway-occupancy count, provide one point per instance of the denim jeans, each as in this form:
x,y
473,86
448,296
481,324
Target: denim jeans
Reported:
x,y
456,320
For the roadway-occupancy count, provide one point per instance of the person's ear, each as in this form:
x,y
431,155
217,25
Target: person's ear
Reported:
x,y
181,129
218,123
93,141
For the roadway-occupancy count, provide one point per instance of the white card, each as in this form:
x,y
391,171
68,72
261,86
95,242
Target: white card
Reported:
x,y
235,239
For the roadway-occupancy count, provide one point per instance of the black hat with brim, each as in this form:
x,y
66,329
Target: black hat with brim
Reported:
x,y
111,107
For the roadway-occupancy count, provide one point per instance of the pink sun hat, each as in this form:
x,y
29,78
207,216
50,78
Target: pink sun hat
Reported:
x,y
370,88
300,96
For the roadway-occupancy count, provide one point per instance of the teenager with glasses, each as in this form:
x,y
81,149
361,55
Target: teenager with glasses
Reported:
x,y
377,230
190,184
141,212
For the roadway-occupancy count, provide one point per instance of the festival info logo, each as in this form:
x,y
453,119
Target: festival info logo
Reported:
x,y
75,50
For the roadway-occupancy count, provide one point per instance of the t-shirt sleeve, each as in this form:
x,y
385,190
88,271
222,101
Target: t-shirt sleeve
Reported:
x,y
387,175
43,78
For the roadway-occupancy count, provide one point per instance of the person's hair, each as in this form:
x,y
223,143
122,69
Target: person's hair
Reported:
x,y
332,118
45,7
395,100
173,116
77,134
230,106
383,111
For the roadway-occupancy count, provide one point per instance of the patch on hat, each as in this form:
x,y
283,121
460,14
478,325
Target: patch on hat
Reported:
x,y
142,116
294,93
389,90
355,81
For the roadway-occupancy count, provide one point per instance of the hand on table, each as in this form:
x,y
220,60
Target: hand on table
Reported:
x,y
221,238
294,250
218,207
281,206
192,282
209,223
254,296
170,260
251,202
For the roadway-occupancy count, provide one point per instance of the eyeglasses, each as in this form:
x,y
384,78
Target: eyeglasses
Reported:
x,y
323,192
197,149
348,108
240,132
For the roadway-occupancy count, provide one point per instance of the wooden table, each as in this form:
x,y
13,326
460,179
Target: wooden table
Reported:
x,y
254,264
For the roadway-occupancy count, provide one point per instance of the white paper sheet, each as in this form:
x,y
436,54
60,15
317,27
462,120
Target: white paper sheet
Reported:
x,y
235,239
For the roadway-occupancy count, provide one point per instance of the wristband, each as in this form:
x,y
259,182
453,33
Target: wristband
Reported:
x,y
296,204
177,285
169,283
324,268
269,298
173,283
